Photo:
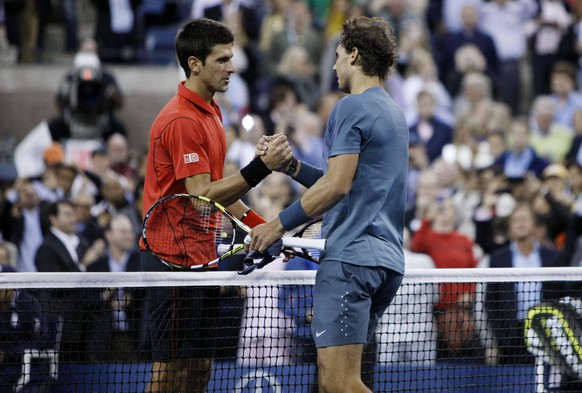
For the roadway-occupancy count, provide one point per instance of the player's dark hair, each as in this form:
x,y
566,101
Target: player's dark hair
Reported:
x,y
375,41
197,38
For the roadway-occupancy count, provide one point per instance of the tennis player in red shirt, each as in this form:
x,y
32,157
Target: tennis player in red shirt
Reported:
x,y
187,149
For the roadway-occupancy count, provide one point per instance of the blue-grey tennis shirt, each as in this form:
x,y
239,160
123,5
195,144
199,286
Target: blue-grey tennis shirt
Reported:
x,y
365,227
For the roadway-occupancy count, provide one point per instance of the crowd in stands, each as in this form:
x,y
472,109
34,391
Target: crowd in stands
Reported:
x,y
491,94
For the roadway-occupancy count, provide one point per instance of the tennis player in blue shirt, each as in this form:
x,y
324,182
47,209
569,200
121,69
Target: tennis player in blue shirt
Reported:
x,y
360,191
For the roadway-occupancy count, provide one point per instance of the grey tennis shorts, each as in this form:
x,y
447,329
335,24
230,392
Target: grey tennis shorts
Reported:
x,y
349,301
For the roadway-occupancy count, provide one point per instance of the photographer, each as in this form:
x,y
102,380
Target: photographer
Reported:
x,y
86,101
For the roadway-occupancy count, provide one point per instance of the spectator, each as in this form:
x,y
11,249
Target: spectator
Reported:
x,y
504,21
63,251
507,303
296,69
72,182
472,102
86,99
490,216
305,136
567,100
417,163
117,30
87,226
21,223
438,238
547,30
469,34
427,190
242,149
283,100
520,159
119,154
549,139
298,30
422,74
433,133
115,197
88,56
570,48
114,333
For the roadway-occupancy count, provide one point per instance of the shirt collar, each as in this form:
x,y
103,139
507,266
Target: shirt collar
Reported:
x,y
73,240
515,250
195,98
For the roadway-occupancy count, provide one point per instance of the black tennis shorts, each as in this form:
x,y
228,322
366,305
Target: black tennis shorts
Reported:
x,y
181,321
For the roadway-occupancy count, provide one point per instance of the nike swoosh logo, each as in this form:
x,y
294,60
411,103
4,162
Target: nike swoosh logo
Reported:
x,y
317,334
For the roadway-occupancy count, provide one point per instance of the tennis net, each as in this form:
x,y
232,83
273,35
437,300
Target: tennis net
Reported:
x,y
447,330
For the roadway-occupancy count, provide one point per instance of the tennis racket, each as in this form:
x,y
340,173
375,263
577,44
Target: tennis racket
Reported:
x,y
306,243
194,232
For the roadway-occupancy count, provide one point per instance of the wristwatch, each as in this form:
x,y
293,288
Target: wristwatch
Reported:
x,y
292,167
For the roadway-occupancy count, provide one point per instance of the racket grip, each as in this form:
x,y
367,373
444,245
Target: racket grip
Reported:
x,y
224,248
317,244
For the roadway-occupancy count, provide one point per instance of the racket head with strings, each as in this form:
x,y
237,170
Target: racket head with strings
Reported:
x,y
190,232
311,230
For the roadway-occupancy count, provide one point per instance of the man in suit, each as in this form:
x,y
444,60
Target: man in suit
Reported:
x,y
115,326
63,251
507,303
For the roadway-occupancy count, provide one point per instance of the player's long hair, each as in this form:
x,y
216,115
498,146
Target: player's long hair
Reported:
x,y
197,38
375,41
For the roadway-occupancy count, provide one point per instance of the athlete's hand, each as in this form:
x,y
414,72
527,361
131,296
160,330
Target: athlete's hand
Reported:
x,y
262,236
263,145
278,154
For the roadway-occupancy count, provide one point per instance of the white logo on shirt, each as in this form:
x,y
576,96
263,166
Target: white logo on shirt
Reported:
x,y
190,158
317,334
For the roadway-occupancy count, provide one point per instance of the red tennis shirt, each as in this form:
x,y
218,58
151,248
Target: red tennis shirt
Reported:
x,y
186,139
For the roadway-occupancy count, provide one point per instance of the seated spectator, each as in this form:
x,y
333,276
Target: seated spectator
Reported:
x,y
71,182
507,303
114,332
448,248
114,198
63,251
431,131
296,69
520,159
565,96
550,139
87,225
118,151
